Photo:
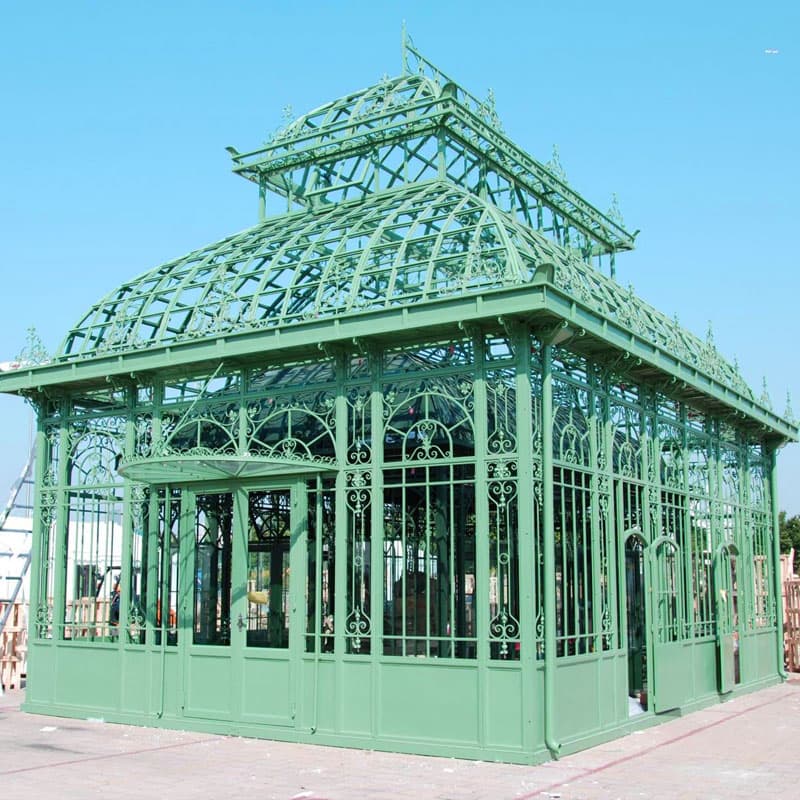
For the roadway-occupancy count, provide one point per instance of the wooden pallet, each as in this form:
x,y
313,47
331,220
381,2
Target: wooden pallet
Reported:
x,y
14,647
791,626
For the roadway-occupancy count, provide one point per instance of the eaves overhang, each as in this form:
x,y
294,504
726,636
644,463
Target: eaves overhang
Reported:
x,y
540,304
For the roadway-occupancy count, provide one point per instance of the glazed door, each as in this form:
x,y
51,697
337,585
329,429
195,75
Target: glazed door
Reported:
x,y
672,668
238,609
269,619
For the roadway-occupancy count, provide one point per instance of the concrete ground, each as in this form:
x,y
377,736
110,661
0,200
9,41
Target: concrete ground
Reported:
x,y
746,748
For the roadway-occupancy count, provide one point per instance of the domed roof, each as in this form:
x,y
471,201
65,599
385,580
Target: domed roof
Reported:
x,y
418,243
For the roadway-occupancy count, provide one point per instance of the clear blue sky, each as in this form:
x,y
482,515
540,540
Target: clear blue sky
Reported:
x,y
115,117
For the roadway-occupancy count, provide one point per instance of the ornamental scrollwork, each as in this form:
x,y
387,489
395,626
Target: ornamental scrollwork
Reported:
x,y
136,623
95,447
43,619
504,628
358,491
357,627
359,439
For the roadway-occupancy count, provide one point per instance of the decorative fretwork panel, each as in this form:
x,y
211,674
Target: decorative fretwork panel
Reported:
x,y
501,403
143,435
672,459
95,448
699,478
50,471
203,429
137,565
42,623
571,431
359,425
358,620
293,430
504,614
626,427
430,419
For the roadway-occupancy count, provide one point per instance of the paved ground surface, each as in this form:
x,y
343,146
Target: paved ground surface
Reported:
x,y
746,748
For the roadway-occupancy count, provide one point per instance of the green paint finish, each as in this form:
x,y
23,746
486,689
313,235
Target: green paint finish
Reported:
x,y
399,467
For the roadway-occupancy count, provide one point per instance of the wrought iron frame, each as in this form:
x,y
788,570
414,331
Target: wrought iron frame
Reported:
x,y
471,420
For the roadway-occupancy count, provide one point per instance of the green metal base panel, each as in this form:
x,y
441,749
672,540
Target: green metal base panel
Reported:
x,y
413,707
418,701
503,715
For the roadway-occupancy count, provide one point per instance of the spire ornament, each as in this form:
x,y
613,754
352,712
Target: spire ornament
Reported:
x,y
789,411
33,352
555,166
765,398
614,212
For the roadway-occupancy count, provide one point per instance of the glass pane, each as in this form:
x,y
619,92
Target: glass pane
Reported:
x,y
268,544
212,563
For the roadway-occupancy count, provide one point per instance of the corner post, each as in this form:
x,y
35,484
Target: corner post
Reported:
x,y
776,558
548,519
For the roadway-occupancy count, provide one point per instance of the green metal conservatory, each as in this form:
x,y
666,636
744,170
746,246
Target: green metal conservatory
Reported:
x,y
400,467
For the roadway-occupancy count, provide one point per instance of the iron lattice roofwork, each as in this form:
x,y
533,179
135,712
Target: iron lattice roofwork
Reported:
x,y
403,195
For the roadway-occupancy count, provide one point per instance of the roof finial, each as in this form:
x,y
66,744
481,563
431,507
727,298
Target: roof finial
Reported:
x,y
789,412
765,399
554,165
614,212
710,335
404,48
33,352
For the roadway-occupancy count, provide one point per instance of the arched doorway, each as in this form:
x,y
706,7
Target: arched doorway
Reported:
x,y
671,667
725,597
636,620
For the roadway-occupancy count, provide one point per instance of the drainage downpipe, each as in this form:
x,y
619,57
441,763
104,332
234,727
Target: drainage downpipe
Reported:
x,y
776,554
549,552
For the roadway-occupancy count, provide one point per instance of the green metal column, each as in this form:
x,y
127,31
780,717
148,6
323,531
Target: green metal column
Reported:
x,y
527,544
376,586
38,552
549,551
341,566
62,524
482,616
130,495
776,558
